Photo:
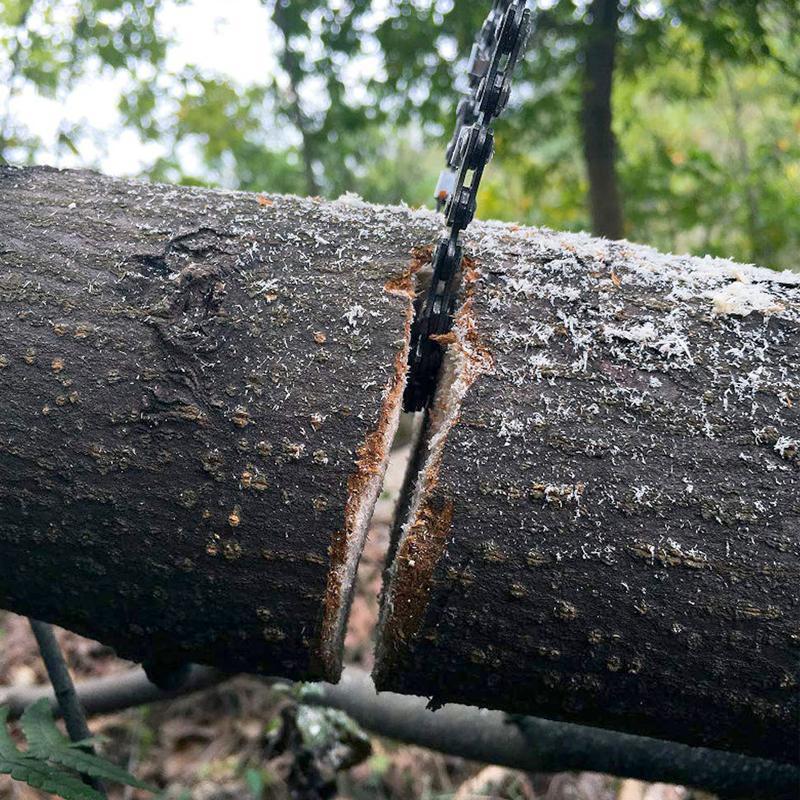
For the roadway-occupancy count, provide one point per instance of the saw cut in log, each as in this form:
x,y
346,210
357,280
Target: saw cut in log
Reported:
x,y
606,524
198,394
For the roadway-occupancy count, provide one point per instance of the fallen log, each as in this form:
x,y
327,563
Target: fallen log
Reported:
x,y
199,390
605,527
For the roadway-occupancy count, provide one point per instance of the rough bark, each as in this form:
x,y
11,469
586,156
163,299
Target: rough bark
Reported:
x,y
606,525
198,393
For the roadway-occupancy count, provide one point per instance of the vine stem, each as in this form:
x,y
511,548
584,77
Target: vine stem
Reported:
x,y
68,701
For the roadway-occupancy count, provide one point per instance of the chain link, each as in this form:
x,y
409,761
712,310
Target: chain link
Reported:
x,y
491,66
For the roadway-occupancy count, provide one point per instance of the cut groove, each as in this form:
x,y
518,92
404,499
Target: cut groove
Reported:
x,y
423,536
363,489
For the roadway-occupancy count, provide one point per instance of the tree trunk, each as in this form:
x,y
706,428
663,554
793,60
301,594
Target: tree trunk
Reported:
x,y
605,527
200,388
599,144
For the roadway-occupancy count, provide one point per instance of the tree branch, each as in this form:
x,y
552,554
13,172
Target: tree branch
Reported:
x,y
525,743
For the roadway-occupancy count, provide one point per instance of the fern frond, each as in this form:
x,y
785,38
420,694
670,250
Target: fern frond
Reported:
x,y
45,741
41,775
49,752
39,728
7,747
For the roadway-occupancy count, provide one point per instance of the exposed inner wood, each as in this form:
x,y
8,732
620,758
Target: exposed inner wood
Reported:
x,y
363,487
424,534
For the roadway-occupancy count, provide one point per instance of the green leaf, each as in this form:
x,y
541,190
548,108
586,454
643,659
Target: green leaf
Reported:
x,y
40,729
64,139
255,782
45,741
41,775
7,747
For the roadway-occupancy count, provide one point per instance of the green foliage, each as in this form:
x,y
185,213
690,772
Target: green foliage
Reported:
x,y
716,173
51,762
50,45
701,167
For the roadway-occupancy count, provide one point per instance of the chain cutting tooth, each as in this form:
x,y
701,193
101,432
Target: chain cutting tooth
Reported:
x,y
444,187
478,62
510,28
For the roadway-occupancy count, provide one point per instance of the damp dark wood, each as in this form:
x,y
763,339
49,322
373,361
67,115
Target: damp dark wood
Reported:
x,y
606,524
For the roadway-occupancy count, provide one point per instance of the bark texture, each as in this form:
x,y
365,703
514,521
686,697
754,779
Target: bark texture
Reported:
x,y
198,390
606,525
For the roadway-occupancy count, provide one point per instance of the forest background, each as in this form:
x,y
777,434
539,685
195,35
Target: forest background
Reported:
x,y
669,122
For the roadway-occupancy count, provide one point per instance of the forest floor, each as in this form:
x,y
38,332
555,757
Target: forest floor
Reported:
x,y
235,741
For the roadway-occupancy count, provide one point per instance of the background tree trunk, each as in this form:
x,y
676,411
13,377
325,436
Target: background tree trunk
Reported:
x,y
599,143
199,390
606,524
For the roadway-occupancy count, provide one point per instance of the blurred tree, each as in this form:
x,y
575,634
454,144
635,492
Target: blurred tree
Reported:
x,y
668,121
292,23
318,113
599,146
579,51
50,45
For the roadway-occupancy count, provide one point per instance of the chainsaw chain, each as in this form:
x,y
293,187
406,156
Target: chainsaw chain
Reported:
x,y
492,61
